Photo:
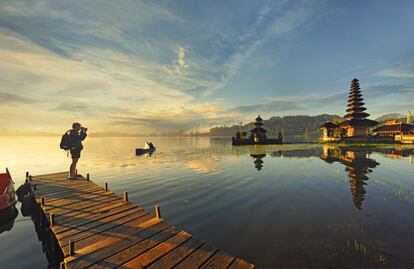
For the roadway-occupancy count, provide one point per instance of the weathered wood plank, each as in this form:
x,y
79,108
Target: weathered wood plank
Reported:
x,y
177,255
99,251
240,264
86,208
197,258
72,199
78,224
218,260
158,251
107,236
100,226
136,249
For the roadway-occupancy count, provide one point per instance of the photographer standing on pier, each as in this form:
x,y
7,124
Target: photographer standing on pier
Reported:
x,y
76,136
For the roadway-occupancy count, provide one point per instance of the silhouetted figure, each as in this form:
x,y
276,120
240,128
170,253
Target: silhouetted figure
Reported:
x,y
77,135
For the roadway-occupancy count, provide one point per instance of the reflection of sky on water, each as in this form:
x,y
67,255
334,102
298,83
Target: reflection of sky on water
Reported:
x,y
307,205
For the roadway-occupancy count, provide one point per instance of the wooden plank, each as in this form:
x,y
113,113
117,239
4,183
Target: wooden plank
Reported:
x,y
74,199
89,222
64,194
105,248
89,238
87,208
240,264
63,205
197,258
219,260
116,233
155,253
95,227
60,190
54,187
177,255
136,249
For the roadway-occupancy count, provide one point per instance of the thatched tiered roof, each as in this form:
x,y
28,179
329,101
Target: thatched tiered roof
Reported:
x,y
355,113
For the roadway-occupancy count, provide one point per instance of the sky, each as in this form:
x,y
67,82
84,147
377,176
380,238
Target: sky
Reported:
x,y
158,66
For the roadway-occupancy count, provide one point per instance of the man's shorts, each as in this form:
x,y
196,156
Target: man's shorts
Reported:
x,y
75,153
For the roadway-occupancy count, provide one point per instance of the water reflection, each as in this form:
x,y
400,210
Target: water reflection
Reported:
x,y
258,162
7,218
199,182
357,163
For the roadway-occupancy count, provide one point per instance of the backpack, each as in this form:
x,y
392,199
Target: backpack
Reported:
x,y
66,141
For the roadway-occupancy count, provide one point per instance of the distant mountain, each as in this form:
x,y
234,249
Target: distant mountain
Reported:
x,y
391,116
293,128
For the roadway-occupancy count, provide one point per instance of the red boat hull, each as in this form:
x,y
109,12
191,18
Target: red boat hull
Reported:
x,y
7,193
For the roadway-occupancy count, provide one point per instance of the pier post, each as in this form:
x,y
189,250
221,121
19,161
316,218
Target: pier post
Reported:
x,y
42,200
52,219
125,197
106,186
34,186
157,211
30,178
27,175
87,176
71,248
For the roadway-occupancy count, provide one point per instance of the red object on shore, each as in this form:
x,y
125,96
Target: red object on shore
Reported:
x,y
7,193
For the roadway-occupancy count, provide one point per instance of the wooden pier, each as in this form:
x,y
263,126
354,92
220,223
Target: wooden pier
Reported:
x,y
95,228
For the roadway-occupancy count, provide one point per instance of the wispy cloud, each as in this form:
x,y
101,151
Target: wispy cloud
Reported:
x,y
273,106
8,99
399,71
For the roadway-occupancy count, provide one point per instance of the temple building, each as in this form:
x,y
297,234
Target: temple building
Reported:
x,y
329,132
356,126
393,128
399,131
257,136
356,123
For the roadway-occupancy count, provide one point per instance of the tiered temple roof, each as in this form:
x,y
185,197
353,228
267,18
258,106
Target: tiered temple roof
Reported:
x,y
355,113
259,123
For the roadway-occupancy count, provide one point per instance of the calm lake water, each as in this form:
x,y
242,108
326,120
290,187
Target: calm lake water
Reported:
x,y
284,206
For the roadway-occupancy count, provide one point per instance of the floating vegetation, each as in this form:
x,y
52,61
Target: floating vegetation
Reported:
x,y
358,246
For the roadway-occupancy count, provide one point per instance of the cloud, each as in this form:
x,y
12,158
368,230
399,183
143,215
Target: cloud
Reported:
x,y
273,106
14,99
398,71
376,91
72,106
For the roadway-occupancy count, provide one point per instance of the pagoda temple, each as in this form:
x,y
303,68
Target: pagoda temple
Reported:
x,y
356,126
257,136
356,123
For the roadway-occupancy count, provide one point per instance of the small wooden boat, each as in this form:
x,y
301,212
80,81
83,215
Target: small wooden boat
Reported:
x,y
7,193
140,151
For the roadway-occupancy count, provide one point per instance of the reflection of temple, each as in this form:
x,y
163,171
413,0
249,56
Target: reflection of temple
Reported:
x,y
258,162
358,165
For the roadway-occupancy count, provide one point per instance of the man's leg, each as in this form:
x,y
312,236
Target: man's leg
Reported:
x,y
72,171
